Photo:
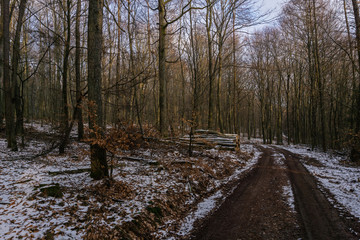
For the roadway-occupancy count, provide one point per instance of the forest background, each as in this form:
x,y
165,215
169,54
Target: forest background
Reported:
x,y
178,65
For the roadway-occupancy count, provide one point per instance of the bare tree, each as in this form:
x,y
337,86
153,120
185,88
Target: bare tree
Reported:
x,y
78,72
99,167
15,66
9,85
355,154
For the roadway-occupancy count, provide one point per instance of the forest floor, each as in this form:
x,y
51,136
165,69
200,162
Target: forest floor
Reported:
x,y
159,192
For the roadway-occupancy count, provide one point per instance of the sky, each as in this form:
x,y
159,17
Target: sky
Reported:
x,y
272,5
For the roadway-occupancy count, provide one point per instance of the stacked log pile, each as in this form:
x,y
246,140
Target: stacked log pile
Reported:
x,y
212,139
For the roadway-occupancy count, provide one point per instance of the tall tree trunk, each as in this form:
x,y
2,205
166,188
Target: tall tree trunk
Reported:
x,y
313,105
78,72
107,81
279,139
8,84
289,137
353,67
249,116
2,106
18,84
194,59
132,66
65,118
162,68
234,68
118,65
65,121
218,90
25,104
57,70
318,74
183,83
99,166
210,64
263,121
355,152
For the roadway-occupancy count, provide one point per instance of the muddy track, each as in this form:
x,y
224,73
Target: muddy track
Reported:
x,y
257,208
319,218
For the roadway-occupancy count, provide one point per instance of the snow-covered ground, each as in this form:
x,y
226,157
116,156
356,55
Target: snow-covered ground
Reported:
x,y
87,207
22,214
342,180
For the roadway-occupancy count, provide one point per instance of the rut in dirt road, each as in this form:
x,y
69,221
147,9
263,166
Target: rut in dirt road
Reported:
x,y
257,208
319,218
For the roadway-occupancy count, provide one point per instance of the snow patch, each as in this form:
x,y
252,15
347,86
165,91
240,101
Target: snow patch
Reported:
x,y
203,209
289,195
279,160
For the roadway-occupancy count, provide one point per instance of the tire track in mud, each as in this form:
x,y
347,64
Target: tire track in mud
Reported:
x,y
257,208
320,220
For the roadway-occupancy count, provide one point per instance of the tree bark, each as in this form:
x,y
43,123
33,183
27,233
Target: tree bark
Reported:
x,y
117,114
235,123
14,78
194,60
218,89
355,152
8,84
65,119
99,167
318,74
2,106
210,64
162,68
313,105
78,71
351,51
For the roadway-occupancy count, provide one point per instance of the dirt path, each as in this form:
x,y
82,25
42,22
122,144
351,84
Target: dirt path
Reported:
x,y
257,208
